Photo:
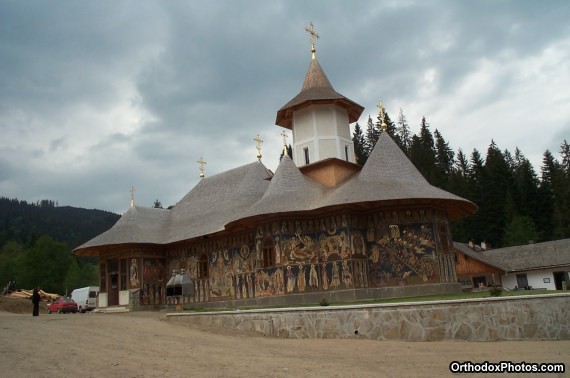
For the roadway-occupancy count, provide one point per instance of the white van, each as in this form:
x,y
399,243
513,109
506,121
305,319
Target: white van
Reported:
x,y
85,297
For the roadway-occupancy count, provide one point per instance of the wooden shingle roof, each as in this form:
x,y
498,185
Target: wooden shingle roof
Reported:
x,y
388,176
316,89
289,191
219,202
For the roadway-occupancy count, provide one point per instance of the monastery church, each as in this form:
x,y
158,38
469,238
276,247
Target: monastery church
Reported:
x,y
320,227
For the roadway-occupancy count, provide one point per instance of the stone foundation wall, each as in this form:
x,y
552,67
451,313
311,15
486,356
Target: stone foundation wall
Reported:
x,y
537,317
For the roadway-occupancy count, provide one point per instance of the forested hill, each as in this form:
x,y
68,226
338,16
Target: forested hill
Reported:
x,y
22,222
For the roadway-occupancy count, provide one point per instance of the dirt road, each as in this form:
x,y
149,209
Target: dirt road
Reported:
x,y
145,344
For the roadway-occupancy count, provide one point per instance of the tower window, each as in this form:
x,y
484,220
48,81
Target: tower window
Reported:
x,y
346,152
306,151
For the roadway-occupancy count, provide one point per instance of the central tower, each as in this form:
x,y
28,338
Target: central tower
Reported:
x,y
319,117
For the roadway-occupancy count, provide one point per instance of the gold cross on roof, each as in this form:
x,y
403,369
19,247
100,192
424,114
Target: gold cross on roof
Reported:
x,y
284,135
382,117
201,162
133,196
258,142
314,35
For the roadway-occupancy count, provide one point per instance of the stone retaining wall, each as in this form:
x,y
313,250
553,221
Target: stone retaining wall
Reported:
x,y
536,317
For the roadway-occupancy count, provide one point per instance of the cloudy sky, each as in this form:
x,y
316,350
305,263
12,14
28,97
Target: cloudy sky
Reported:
x,y
96,96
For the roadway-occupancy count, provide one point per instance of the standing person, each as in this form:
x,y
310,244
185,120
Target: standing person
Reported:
x,y
36,301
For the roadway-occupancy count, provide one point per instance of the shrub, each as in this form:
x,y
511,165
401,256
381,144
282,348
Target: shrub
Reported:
x,y
496,291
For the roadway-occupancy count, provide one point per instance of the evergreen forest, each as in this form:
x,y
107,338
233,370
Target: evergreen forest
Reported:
x,y
517,205
36,243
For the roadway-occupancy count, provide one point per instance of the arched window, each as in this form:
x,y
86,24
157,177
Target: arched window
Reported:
x,y
268,253
203,266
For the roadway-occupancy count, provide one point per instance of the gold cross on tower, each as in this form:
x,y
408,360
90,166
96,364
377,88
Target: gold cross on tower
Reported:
x,y
201,162
382,117
258,142
133,196
311,30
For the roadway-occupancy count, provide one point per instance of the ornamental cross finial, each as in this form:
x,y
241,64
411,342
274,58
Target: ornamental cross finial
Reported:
x,y
314,35
258,142
382,116
201,162
133,196
284,135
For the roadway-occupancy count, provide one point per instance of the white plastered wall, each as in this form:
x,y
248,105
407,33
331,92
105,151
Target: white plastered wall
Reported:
x,y
535,279
325,131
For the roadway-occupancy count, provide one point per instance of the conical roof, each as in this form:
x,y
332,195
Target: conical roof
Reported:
x,y
388,178
316,89
288,191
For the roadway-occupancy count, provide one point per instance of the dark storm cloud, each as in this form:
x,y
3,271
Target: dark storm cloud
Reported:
x,y
99,96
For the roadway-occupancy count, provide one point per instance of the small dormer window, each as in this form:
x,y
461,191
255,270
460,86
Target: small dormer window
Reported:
x,y
306,151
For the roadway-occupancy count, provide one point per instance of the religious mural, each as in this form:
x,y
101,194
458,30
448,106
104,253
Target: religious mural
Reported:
x,y
313,256
154,285
134,274
334,253
402,254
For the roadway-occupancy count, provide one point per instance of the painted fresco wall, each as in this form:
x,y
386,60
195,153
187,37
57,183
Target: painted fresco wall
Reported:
x,y
402,254
231,268
153,291
312,256
326,254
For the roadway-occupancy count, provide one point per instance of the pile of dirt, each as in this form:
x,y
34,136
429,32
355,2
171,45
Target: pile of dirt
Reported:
x,y
19,305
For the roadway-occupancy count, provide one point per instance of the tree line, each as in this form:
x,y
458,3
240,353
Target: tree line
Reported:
x,y
36,242
516,205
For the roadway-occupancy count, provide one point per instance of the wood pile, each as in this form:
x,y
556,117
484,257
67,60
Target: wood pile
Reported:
x,y
27,294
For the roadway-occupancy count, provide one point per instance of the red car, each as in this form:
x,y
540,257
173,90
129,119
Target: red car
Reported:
x,y
61,305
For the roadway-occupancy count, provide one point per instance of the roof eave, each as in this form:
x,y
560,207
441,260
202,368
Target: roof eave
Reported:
x,y
285,114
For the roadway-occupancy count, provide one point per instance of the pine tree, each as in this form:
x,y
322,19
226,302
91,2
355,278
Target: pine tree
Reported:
x,y
359,145
422,153
372,135
521,230
462,164
545,220
444,160
565,153
403,132
390,127
496,179
459,185
525,186
561,189
476,194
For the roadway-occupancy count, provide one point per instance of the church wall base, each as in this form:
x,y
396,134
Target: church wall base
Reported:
x,y
340,296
